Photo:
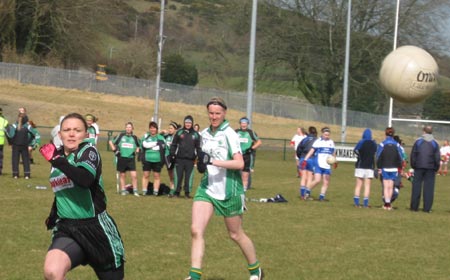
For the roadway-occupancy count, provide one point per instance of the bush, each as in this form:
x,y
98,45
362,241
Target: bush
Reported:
x,y
177,70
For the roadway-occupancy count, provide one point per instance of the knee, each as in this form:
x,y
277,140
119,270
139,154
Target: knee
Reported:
x,y
52,272
236,235
196,232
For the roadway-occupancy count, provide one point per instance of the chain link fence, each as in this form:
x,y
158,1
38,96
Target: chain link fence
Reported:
x,y
275,105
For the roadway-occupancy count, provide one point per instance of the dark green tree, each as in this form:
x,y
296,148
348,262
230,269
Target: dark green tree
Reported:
x,y
177,70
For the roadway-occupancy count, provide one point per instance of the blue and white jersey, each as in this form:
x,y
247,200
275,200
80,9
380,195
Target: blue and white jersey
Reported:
x,y
323,149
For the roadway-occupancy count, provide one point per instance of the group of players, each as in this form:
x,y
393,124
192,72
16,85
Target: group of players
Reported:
x,y
177,148
387,161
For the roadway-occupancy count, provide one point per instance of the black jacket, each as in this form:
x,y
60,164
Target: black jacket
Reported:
x,y
425,153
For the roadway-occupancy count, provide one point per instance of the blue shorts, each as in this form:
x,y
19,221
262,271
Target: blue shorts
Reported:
x,y
389,175
309,164
322,171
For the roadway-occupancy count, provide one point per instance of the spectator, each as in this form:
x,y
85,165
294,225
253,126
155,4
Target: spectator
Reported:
x,y
321,149
220,190
307,168
249,143
125,147
3,126
183,151
296,139
425,159
93,129
23,132
389,162
82,230
168,136
197,127
152,157
365,151
35,140
445,155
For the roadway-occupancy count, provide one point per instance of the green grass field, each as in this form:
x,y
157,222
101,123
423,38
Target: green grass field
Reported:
x,y
294,240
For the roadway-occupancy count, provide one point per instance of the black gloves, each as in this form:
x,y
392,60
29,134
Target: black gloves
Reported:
x,y
203,160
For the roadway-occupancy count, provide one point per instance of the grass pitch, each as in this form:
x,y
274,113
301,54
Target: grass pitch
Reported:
x,y
294,240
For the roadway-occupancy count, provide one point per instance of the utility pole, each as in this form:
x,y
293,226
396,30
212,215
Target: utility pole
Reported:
x,y
161,39
251,64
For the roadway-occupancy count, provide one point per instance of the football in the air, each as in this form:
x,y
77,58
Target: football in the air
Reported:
x,y
409,74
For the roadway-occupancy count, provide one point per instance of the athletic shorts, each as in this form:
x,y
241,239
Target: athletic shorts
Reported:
x,y
322,171
152,166
309,164
98,239
248,158
364,173
233,206
78,257
389,175
126,164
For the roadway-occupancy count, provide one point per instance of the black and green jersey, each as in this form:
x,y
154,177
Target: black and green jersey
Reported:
x,y
74,201
153,147
246,138
127,144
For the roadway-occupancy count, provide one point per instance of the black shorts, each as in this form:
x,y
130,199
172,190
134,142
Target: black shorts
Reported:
x,y
126,164
152,166
248,158
78,257
98,239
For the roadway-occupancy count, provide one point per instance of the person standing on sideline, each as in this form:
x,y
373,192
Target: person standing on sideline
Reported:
x,y
296,139
152,150
82,230
125,147
35,140
93,129
389,162
23,132
424,159
321,149
3,125
168,136
249,143
365,151
183,151
220,191
307,168
445,156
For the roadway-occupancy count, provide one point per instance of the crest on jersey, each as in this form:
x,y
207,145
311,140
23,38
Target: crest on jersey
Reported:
x,y
92,156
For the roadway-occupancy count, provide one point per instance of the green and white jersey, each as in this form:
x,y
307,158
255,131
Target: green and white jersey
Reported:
x,y
169,139
246,138
127,145
34,137
152,150
72,200
92,135
221,183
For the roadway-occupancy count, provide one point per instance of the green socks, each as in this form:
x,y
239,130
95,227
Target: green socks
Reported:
x,y
195,273
254,268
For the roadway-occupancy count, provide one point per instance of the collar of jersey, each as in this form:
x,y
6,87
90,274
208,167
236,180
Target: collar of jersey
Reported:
x,y
221,127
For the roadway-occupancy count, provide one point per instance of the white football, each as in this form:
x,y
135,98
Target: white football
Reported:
x,y
409,74
331,160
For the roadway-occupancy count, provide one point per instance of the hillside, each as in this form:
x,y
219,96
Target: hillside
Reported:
x,y
45,105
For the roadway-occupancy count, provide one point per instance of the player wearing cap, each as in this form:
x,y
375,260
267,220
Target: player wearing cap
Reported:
x,y
249,143
184,149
